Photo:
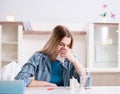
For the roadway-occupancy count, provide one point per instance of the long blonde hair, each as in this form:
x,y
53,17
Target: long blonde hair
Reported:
x,y
58,33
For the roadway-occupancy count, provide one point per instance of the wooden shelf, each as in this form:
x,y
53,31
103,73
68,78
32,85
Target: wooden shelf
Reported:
x,y
106,23
39,32
48,32
8,22
36,32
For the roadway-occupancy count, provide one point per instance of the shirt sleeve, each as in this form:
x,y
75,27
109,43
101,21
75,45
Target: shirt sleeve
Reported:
x,y
28,70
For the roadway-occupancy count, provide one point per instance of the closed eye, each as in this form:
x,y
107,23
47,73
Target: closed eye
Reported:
x,y
62,44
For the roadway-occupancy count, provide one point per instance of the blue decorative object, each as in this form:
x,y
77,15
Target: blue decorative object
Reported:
x,y
12,87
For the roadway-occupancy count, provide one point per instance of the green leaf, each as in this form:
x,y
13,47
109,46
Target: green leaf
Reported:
x,y
105,14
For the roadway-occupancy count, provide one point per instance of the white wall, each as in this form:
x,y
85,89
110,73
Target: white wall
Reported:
x,y
57,11
31,44
79,13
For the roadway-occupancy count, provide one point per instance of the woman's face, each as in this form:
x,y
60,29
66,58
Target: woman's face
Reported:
x,y
64,43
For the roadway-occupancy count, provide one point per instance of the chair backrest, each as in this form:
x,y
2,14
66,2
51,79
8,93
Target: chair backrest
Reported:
x,y
10,70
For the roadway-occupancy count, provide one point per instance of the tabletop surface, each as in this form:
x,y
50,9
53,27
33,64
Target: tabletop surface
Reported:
x,y
78,90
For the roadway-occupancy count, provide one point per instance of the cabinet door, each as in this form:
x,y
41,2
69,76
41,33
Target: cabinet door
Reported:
x,y
103,45
106,78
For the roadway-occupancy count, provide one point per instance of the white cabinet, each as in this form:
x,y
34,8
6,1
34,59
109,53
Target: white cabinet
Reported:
x,y
103,46
10,42
103,53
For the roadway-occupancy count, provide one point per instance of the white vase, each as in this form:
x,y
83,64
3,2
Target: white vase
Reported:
x,y
104,19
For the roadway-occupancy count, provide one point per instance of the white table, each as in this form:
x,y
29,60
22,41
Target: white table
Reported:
x,y
68,90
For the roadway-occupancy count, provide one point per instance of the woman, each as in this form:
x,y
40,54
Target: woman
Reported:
x,y
47,69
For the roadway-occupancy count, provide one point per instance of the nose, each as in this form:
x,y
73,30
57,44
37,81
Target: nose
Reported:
x,y
64,47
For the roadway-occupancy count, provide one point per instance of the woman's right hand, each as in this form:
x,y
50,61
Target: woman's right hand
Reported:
x,y
36,83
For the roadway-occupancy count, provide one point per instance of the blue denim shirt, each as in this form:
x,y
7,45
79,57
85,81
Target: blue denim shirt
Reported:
x,y
39,67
